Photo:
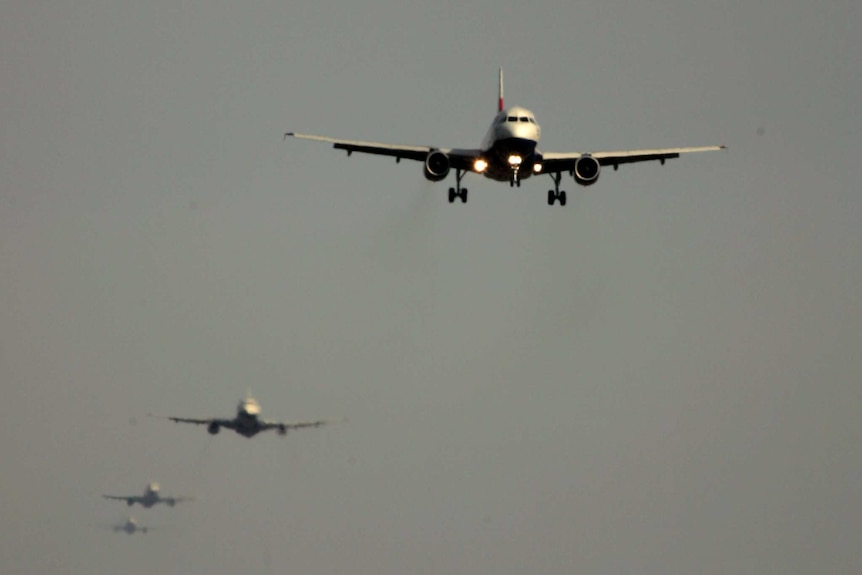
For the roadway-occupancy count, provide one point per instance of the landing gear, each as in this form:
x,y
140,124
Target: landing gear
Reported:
x,y
515,180
458,191
556,194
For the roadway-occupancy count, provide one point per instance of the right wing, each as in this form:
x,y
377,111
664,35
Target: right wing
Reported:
x,y
132,498
461,159
229,423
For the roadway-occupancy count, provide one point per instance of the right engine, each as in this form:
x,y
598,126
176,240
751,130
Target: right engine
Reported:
x,y
213,428
587,170
436,166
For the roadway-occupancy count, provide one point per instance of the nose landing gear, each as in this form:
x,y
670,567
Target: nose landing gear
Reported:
x,y
515,180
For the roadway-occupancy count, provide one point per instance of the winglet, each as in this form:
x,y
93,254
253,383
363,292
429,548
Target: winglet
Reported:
x,y
500,109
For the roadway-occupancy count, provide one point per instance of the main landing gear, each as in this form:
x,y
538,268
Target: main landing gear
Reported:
x,y
556,194
458,191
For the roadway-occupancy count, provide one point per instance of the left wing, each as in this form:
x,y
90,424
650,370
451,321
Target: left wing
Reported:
x,y
283,428
562,162
171,501
460,158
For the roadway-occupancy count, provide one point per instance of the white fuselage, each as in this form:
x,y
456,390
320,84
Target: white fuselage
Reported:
x,y
510,146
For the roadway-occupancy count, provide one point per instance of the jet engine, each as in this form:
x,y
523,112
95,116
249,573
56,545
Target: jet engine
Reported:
x,y
282,429
436,166
130,502
213,428
587,170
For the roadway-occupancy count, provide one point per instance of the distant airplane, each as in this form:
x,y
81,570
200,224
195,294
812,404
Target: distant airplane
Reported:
x,y
248,422
129,526
150,497
508,153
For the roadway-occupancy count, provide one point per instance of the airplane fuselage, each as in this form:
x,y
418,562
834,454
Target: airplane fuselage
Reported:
x,y
247,425
148,500
130,527
150,497
510,146
247,422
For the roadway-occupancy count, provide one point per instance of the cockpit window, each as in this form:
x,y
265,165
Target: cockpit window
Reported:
x,y
532,121
524,119
513,118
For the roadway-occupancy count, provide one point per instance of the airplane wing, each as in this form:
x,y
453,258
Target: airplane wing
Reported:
x,y
553,162
229,423
121,527
283,428
460,158
132,498
171,501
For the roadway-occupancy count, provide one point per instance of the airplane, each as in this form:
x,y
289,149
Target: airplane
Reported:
x,y
248,422
129,526
150,497
509,152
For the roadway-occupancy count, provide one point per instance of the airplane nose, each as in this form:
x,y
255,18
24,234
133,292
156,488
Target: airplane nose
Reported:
x,y
519,130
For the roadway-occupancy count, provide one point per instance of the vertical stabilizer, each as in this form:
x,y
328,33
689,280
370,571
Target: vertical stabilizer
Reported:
x,y
500,109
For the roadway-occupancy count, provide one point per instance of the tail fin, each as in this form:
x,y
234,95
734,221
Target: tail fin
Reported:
x,y
500,109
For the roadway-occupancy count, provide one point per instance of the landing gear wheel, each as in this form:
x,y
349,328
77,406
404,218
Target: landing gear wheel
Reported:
x,y
458,191
556,194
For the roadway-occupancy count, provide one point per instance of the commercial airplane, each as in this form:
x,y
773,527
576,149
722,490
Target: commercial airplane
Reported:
x,y
150,497
129,526
510,153
248,422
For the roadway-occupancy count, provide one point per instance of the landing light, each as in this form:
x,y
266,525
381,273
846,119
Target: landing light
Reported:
x,y
515,160
480,165
537,167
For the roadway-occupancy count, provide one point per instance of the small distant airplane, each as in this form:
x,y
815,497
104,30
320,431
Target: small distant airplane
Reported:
x,y
129,526
248,422
150,497
508,153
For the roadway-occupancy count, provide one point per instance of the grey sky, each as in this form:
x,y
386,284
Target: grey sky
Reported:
x,y
662,377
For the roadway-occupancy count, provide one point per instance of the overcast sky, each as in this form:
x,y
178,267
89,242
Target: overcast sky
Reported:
x,y
663,377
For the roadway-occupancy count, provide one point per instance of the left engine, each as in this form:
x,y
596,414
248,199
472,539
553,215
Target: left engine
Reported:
x,y
436,166
587,170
